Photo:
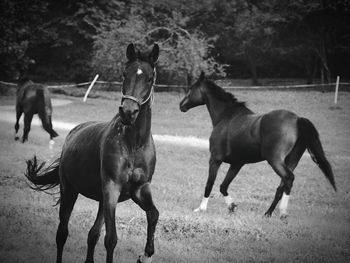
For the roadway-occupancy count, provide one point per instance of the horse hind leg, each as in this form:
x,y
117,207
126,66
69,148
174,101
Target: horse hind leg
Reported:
x,y
68,198
47,125
28,117
18,116
283,190
295,155
231,174
291,161
94,234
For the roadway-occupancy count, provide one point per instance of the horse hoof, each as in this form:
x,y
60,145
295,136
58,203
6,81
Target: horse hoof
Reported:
x,y
283,217
232,207
197,210
267,214
144,259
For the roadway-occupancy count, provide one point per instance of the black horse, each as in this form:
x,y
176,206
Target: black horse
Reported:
x,y
240,136
109,162
33,99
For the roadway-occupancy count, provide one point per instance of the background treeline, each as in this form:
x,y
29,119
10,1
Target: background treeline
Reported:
x,y
71,40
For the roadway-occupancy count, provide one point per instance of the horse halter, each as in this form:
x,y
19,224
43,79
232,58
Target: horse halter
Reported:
x,y
140,102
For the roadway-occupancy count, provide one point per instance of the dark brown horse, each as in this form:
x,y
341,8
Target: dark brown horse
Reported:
x,y
33,99
109,162
240,136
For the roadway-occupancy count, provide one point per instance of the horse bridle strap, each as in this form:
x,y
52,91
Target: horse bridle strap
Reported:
x,y
140,102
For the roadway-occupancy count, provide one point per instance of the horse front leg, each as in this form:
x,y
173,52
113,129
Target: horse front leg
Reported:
x,y
111,193
231,174
143,198
94,234
213,171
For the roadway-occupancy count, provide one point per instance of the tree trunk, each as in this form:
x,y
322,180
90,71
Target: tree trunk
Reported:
x,y
324,61
252,64
310,65
321,73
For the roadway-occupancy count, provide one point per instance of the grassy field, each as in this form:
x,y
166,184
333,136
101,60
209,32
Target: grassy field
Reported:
x,y
318,229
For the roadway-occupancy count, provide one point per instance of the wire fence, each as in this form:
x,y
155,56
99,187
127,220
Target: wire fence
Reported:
x,y
106,85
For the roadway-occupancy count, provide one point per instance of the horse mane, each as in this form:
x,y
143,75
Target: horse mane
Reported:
x,y
219,93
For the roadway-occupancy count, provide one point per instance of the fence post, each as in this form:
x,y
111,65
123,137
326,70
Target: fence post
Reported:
x,y
90,87
336,90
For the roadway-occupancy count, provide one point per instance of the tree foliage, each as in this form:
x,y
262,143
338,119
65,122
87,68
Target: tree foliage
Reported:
x,y
22,26
71,40
184,54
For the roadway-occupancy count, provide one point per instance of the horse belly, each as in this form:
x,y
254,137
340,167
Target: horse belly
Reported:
x,y
246,154
83,176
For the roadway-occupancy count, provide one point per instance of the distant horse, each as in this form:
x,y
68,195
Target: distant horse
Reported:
x,y
33,99
240,136
109,162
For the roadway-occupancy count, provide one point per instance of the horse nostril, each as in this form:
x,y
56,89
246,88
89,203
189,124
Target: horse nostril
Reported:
x,y
121,111
135,112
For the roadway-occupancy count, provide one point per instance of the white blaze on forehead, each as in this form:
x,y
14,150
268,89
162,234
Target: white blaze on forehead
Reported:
x,y
139,71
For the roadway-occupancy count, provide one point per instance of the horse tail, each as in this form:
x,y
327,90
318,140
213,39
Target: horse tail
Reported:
x,y
44,112
40,178
310,137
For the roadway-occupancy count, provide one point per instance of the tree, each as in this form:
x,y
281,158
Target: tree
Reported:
x,y
314,31
183,54
75,24
22,27
255,31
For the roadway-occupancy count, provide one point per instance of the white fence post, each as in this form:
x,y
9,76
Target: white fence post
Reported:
x,y
90,87
336,90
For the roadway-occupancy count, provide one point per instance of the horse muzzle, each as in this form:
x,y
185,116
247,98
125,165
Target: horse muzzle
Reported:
x,y
183,105
128,115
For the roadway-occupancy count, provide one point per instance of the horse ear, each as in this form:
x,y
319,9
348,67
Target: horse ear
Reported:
x,y
202,76
130,52
154,54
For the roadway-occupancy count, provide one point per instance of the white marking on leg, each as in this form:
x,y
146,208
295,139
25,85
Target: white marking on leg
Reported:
x,y
228,200
145,259
51,144
284,204
203,205
139,71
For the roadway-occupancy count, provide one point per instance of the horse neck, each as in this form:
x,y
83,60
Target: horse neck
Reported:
x,y
217,108
138,134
